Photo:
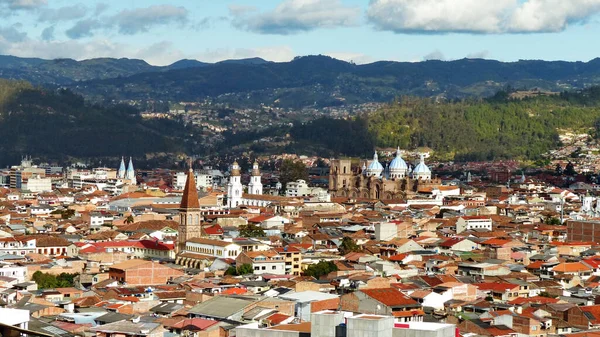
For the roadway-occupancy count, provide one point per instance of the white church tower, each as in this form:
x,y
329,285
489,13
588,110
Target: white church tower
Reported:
x,y
121,171
255,186
234,188
130,174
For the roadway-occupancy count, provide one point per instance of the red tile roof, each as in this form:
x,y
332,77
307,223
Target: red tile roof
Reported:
x,y
495,286
495,242
391,297
571,267
276,319
535,300
234,291
213,230
448,243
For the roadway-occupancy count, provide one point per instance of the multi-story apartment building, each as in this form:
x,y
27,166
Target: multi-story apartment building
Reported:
x,y
263,262
292,258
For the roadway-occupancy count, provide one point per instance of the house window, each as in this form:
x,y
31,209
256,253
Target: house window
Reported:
x,y
274,267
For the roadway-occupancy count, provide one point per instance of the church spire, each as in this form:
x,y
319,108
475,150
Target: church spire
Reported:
x,y
190,192
121,172
130,171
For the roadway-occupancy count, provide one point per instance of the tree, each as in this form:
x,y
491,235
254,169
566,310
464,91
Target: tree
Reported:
x,y
320,269
570,169
251,231
244,269
129,219
49,281
558,170
291,171
348,246
553,221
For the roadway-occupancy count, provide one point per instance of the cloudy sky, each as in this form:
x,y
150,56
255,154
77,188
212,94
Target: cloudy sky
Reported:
x,y
363,31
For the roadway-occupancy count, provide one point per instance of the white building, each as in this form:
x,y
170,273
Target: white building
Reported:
x,y
12,246
386,231
97,219
255,186
204,179
41,210
263,262
466,223
215,248
37,184
14,271
234,188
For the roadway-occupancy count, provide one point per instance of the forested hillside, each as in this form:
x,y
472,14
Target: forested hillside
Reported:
x,y
60,124
472,129
485,129
320,81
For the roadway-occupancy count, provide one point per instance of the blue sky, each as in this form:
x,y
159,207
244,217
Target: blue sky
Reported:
x,y
162,32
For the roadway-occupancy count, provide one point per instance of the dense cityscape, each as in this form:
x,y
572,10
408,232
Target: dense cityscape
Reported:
x,y
300,168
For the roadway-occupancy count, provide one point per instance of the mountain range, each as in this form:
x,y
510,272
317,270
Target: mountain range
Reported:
x,y
304,81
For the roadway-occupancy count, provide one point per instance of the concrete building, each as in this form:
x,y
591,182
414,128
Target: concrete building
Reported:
x,y
300,188
37,184
293,259
132,328
337,324
308,301
386,231
466,223
12,246
370,326
19,174
213,248
205,178
142,272
263,262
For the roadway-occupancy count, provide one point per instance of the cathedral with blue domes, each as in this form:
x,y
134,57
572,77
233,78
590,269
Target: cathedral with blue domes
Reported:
x,y
397,180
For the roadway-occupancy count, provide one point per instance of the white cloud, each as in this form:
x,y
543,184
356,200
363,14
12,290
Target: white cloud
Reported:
x,y
483,54
159,53
61,49
63,13
434,55
132,21
269,53
47,33
23,4
237,10
551,15
479,16
293,16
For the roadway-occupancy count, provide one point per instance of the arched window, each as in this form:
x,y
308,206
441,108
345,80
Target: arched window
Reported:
x,y
197,219
189,222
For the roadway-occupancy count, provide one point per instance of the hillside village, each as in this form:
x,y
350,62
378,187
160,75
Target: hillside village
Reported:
x,y
107,252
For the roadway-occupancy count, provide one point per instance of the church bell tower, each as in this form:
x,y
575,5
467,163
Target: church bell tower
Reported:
x,y
190,222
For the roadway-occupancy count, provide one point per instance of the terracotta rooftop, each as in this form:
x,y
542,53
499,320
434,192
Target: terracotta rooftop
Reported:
x,y
389,296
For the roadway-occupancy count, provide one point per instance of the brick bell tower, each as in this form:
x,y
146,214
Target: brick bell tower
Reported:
x,y
190,222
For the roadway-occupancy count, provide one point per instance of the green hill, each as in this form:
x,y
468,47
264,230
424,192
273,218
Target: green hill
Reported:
x,y
60,124
472,129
